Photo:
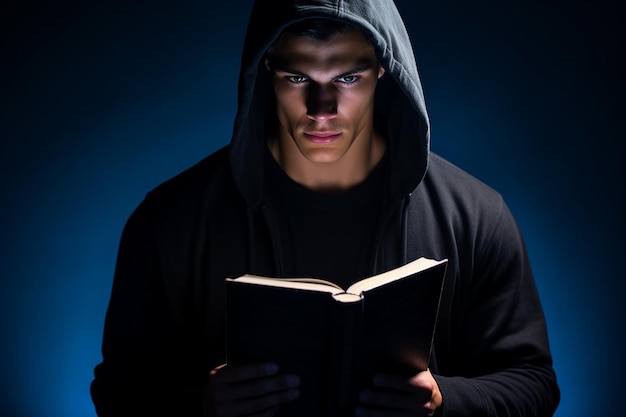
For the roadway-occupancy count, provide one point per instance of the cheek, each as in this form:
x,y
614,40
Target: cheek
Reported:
x,y
290,107
356,105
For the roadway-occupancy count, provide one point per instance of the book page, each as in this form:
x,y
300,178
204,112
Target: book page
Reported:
x,y
309,284
345,297
410,268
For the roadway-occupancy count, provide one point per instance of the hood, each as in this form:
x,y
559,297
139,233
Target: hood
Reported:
x,y
400,111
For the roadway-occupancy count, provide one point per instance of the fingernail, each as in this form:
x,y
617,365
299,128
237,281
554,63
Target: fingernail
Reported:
x,y
378,380
365,396
293,381
271,368
292,394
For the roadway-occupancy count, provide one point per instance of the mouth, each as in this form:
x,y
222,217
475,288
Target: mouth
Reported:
x,y
322,137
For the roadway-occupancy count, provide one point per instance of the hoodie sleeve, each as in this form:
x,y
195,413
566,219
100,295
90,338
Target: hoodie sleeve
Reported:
x,y
498,361
144,370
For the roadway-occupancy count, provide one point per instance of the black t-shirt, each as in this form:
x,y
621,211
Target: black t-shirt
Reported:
x,y
330,236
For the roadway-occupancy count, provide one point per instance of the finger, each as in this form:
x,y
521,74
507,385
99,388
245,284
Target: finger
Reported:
x,y
254,388
394,382
363,411
259,406
394,400
226,374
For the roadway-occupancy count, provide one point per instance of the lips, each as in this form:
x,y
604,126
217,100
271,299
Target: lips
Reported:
x,y
322,137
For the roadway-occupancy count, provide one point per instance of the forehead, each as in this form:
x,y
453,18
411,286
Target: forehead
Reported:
x,y
296,51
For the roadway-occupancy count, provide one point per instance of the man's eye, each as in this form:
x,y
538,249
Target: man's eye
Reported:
x,y
348,79
296,79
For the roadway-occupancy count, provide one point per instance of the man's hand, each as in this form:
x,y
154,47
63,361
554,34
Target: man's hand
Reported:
x,y
395,395
252,390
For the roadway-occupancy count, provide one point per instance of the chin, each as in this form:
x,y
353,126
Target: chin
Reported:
x,y
322,157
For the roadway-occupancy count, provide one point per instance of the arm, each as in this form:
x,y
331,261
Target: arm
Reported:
x,y
492,352
496,360
156,358
145,349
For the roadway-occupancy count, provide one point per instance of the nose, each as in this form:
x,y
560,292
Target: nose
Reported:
x,y
321,102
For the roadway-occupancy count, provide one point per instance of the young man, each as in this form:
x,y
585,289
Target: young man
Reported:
x,y
328,174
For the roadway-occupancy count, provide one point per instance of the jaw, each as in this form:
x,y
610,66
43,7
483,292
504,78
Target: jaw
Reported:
x,y
328,167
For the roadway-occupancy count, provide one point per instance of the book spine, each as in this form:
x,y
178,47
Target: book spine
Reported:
x,y
347,335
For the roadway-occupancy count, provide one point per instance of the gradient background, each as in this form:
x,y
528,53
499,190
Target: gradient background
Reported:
x,y
101,101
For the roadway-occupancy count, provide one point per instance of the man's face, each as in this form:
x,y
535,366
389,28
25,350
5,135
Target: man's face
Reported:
x,y
325,95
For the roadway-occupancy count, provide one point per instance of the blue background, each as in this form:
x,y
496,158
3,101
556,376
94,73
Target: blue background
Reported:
x,y
101,101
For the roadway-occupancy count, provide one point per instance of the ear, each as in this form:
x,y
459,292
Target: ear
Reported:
x,y
381,71
267,64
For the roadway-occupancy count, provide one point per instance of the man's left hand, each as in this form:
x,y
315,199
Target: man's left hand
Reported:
x,y
395,395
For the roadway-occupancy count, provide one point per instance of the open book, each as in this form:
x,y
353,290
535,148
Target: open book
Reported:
x,y
335,339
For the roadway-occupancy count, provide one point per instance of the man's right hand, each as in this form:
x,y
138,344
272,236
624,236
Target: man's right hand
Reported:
x,y
248,389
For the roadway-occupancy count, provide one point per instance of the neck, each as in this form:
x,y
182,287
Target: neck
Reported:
x,y
330,177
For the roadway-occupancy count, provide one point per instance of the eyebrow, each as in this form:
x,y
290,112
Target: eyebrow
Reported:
x,y
360,68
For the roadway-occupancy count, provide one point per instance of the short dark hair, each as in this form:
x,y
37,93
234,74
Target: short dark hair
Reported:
x,y
319,29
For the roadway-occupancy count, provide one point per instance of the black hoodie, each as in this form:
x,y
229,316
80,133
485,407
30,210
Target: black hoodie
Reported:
x,y
164,328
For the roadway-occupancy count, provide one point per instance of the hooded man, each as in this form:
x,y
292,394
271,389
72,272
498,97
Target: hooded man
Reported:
x,y
328,174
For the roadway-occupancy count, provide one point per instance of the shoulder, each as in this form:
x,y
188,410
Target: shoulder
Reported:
x,y
202,177
463,212
469,209
208,180
192,196
454,186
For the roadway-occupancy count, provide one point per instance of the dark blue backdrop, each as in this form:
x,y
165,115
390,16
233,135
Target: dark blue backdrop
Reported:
x,y
102,101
